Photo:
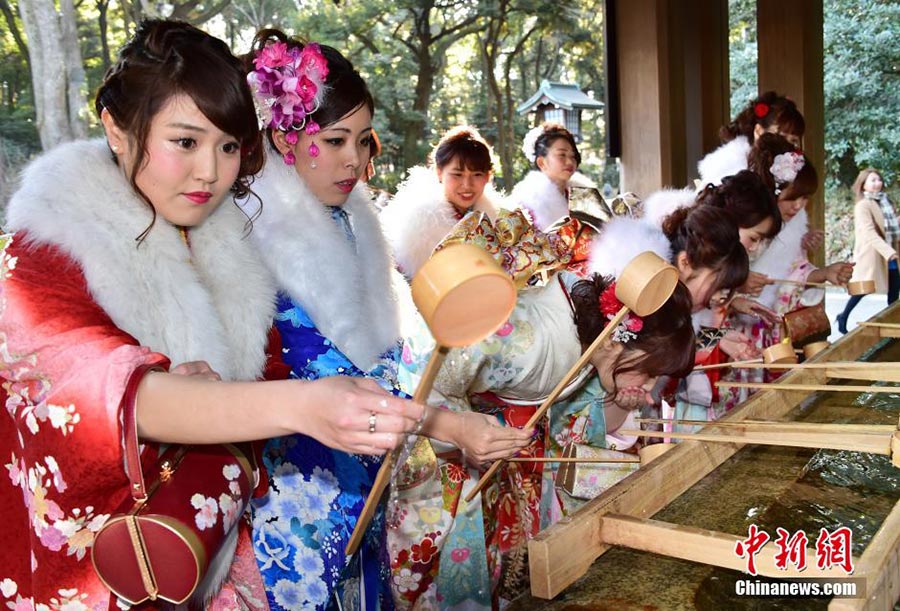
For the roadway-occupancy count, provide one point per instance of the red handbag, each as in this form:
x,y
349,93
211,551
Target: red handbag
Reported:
x,y
161,542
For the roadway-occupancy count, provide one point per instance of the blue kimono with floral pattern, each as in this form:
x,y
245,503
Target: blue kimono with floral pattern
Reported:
x,y
302,525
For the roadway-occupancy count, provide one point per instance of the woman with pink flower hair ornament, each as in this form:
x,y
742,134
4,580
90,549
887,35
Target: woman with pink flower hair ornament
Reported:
x,y
129,283
317,231
791,176
449,553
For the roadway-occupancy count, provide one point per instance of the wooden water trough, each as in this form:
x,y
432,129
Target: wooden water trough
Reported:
x,y
622,515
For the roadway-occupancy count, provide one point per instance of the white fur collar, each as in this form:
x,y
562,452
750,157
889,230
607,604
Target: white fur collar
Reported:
x,y
779,256
622,240
542,198
347,291
213,303
727,160
664,202
419,217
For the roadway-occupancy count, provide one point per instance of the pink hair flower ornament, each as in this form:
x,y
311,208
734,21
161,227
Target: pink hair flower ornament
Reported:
x,y
288,86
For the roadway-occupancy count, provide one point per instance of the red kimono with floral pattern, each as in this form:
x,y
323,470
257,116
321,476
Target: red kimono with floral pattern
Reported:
x,y
65,368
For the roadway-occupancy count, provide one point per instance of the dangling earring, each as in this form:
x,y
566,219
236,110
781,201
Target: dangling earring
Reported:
x,y
313,152
289,158
314,165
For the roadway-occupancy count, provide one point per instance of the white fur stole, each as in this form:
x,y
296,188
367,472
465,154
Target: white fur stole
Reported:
x,y
419,217
621,241
727,160
541,198
213,302
345,288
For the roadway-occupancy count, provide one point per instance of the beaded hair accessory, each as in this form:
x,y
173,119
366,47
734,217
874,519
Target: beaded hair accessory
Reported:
x,y
761,109
785,168
288,86
630,326
530,140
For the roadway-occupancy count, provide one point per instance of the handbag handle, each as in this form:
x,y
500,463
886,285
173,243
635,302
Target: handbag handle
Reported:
x,y
129,432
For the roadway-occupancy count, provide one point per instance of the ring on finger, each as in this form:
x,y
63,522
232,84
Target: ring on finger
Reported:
x,y
373,417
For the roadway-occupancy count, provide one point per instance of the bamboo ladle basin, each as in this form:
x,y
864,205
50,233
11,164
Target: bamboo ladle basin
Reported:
x,y
874,439
848,370
464,296
643,287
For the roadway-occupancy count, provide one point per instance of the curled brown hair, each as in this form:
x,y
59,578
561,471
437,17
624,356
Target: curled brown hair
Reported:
x,y
666,339
168,58
747,198
761,158
709,236
466,144
780,111
553,132
347,91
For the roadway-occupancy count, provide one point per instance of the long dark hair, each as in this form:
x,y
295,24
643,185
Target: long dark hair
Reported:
x,y
709,236
767,109
347,91
168,58
666,339
747,197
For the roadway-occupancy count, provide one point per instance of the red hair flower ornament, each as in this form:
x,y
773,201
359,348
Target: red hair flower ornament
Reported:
x,y
760,109
630,326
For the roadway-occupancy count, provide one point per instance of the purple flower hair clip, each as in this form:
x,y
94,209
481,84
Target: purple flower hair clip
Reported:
x,y
288,86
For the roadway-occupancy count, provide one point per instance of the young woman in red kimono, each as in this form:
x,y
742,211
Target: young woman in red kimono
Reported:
x,y
127,280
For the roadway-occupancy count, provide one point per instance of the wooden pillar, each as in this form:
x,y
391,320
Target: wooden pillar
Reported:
x,y
672,61
791,62
641,30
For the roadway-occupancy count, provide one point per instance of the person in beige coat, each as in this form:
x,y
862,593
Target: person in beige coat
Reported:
x,y
876,238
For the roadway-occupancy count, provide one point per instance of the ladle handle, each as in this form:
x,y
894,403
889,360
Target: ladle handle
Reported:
x,y
808,387
383,477
801,283
554,394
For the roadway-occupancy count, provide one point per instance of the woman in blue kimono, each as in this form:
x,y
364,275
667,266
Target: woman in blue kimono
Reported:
x,y
336,312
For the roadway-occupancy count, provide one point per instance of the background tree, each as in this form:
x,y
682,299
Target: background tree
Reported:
x,y
57,74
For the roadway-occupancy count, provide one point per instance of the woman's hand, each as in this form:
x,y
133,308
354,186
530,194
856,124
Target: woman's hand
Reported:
x,y
812,240
838,273
200,369
632,397
755,284
742,305
351,408
483,439
738,346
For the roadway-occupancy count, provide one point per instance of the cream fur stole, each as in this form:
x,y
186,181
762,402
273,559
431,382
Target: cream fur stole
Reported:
x,y
214,302
727,160
541,197
622,240
347,290
780,255
664,202
419,217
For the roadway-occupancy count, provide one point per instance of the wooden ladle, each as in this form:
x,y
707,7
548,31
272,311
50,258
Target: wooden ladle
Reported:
x,y
464,296
644,286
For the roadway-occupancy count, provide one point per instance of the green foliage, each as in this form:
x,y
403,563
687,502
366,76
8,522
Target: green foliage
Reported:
x,y
743,53
862,81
